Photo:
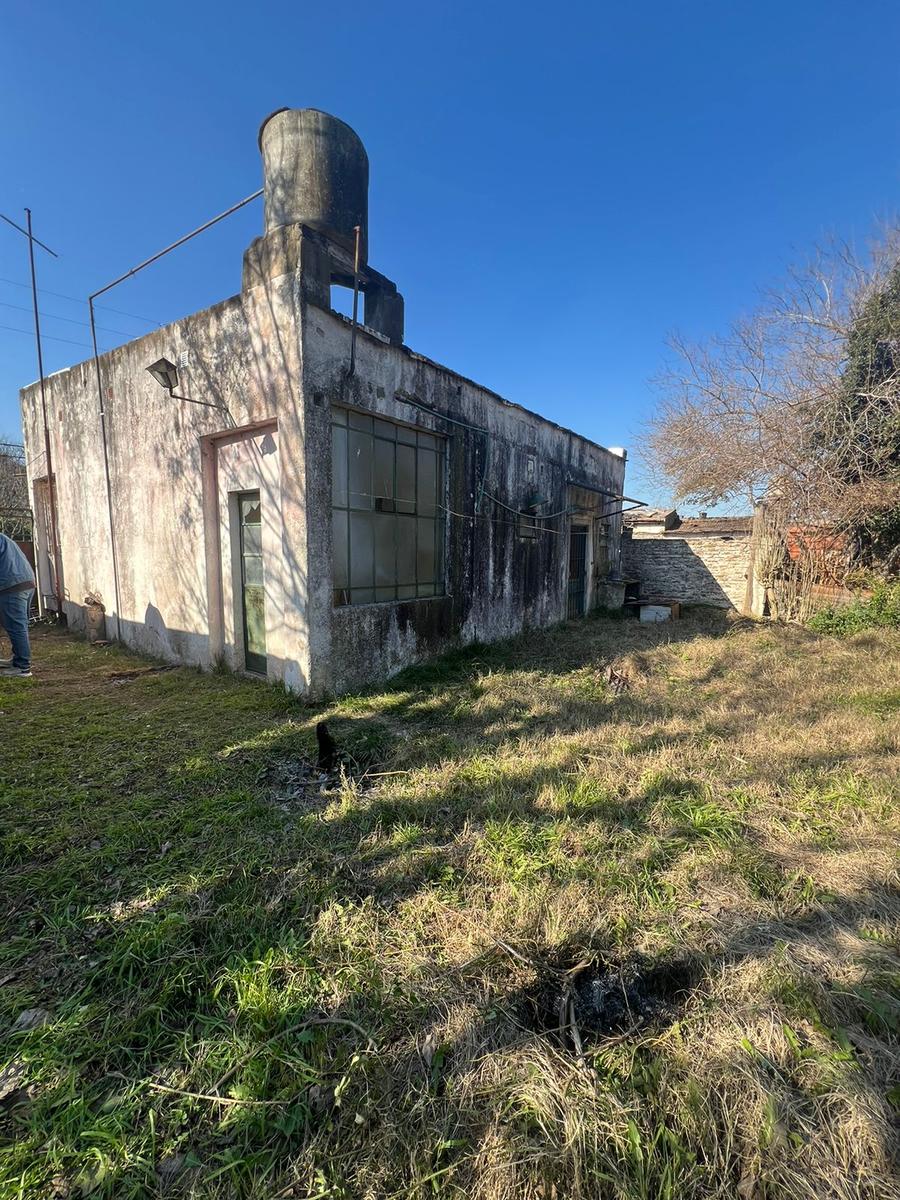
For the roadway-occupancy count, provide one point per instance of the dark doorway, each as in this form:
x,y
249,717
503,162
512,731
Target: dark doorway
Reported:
x,y
577,570
253,594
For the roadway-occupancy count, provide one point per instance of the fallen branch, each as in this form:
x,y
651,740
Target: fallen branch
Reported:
x,y
576,1035
162,1087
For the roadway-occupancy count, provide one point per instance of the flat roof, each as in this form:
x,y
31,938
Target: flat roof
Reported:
x,y
365,330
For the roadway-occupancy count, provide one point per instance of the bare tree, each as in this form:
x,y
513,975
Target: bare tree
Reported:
x,y
798,402
15,514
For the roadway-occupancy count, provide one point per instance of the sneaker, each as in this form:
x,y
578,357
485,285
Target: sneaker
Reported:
x,y
16,672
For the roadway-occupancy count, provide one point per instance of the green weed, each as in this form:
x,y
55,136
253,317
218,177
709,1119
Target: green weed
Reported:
x,y
880,610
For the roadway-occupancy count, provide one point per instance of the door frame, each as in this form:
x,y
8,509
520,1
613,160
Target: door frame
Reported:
x,y
577,529
218,530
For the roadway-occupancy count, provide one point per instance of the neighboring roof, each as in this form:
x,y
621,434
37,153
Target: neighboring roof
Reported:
x,y
676,526
647,515
715,525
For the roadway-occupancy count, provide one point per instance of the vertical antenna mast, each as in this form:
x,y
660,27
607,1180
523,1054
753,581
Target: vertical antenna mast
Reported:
x,y
53,548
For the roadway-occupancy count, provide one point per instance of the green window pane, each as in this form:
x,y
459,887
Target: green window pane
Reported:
x,y
406,549
360,421
251,539
386,429
362,559
339,466
341,550
385,550
425,558
255,618
361,491
406,479
339,416
253,596
385,593
384,469
426,484
405,435
253,570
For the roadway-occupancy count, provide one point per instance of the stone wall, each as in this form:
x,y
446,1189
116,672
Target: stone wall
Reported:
x,y
704,569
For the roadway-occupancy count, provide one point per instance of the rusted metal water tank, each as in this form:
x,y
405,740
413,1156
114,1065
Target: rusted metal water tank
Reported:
x,y
316,171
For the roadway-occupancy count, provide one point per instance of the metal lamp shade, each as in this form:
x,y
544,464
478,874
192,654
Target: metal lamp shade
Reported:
x,y
165,373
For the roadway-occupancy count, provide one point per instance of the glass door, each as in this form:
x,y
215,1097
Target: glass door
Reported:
x,y
253,593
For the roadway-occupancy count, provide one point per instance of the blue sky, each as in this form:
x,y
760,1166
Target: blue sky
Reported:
x,y
554,188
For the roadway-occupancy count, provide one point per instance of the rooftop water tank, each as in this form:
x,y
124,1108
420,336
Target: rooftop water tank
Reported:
x,y
316,172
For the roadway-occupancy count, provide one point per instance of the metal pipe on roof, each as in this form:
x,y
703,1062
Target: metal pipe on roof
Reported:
x,y
174,246
357,232
605,492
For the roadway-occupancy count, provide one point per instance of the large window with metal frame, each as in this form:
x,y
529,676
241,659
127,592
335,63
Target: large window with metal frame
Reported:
x,y
387,509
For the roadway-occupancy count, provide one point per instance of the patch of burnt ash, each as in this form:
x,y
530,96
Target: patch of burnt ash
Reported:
x,y
579,1000
299,785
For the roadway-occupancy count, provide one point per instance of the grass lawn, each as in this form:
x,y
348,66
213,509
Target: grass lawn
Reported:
x,y
548,938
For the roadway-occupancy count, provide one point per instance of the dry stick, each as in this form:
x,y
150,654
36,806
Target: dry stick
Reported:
x,y
507,949
310,1021
535,964
162,1087
529,962
576,1036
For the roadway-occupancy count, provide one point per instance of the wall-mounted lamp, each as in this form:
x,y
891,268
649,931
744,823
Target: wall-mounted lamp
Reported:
x,y
535,500
166,375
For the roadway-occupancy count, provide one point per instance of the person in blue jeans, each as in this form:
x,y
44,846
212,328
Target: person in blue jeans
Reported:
x,y
16,590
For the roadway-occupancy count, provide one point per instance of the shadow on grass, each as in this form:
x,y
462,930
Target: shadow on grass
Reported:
x,y
174,923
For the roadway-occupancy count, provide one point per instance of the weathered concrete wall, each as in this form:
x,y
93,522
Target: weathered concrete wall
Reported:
x,y
243,353
497,582
696,570
279,362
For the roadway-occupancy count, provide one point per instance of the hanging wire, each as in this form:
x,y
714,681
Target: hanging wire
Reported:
x,y
48,337
80,300
563,512
528,517
68,320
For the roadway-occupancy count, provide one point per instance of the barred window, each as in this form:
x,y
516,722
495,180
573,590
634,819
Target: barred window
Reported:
x,y
386,507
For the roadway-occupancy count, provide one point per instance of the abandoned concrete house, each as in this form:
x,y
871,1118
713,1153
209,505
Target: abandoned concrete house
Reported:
x,y
305,497
697,560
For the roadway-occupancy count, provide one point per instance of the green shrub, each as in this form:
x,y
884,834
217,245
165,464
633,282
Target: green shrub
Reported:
x,y
881,609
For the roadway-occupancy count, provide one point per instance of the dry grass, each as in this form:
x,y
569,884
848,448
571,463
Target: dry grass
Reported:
x,y
737,803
